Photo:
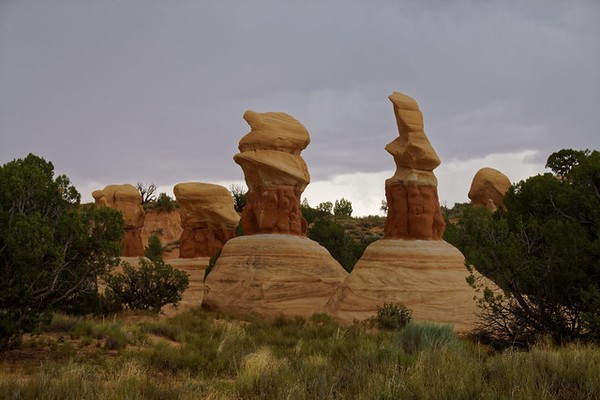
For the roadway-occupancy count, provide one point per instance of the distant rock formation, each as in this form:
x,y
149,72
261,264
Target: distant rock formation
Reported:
x,y
411,264
488,189
127,199
412,199
166,225
275,173
208,218
274,269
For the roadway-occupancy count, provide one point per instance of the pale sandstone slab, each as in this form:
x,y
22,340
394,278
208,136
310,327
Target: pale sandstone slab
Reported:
x,y
427,276
269,275
488,189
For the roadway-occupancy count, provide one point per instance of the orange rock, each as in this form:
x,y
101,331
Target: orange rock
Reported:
x,y
167,226
427,276
488,189
208,218
275,173
413,205
127,199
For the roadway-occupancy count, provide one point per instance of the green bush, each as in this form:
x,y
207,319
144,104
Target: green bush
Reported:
x,y
425,335
393,316
150,287
154,251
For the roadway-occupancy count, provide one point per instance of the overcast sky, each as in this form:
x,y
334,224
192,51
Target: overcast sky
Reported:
x,y
140,90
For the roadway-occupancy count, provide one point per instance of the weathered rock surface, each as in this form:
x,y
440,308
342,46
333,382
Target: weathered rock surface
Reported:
x,y
427,276
275,173
127,199
411,265
208,218
270,274
167,226
488,189
413,204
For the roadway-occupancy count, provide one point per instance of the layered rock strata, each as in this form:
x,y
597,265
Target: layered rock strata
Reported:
x,y
488,189
411,264
127,199
412,199
208,218
275,173
273,274
274,269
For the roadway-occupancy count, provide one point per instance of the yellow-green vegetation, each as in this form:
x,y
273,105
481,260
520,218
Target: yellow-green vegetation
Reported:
x,y
199,354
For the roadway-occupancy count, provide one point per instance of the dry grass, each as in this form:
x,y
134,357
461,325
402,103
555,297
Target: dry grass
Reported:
x,y
204,355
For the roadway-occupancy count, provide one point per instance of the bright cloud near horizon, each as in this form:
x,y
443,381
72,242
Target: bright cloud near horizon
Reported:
x,y
154,91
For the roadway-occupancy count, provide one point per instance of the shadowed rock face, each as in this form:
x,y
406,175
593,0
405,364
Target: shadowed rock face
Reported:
x,y
413,204
488,189
275,173
208,218
127,199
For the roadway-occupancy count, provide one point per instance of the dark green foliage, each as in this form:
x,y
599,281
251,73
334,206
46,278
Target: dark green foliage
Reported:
x,y
333,237
311,214
51,249
342,208
154,251
211,263
392,316
164,202
543,252
149,287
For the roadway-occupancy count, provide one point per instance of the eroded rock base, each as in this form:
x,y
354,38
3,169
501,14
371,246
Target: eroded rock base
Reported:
x,y
275,209
203,242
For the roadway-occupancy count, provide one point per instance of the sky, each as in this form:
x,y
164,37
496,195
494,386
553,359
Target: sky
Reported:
x,y
154,91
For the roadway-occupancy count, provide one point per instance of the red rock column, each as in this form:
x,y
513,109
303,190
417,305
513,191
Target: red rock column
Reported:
x,y
208,218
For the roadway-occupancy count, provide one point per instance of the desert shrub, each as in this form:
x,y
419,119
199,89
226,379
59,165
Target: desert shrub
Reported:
x,y
416,337
154,251
164,202
211,264
150,287
392,316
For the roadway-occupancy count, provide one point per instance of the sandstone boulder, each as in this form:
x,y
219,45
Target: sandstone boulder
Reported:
x,y
413,204
127,199
488,189
208,218
275,173
273,274
427,276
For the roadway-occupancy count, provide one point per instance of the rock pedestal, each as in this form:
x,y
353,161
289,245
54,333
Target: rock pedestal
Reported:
x,y
275,173
411,264
274,269
208,218
273,274
488,189
127,199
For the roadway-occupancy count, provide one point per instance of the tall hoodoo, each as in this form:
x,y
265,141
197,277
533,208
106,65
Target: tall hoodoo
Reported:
x,y
127,199
274,268
275,173
413,204
208,218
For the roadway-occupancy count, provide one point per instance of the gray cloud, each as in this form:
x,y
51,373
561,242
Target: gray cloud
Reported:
x,y
115,91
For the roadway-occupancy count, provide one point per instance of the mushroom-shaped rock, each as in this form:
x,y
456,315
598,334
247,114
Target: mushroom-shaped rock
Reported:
x,y
274,269
488,189
127,199
411,264
208,218
413,205
275,173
